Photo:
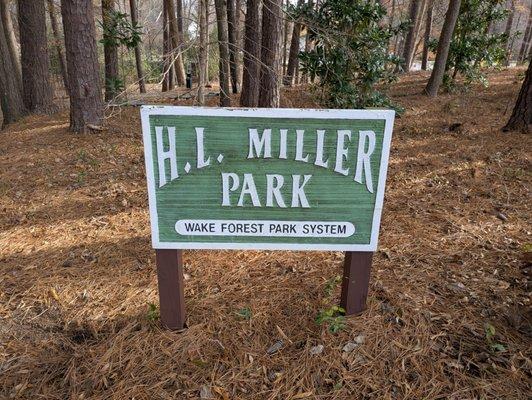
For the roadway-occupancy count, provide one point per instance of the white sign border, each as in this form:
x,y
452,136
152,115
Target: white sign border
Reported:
x,y
386,115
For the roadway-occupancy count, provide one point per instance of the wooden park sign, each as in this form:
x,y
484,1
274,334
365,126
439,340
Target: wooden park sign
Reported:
x,y
272,179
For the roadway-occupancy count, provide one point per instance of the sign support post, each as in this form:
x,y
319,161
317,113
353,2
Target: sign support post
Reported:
x,y
355,281
171,288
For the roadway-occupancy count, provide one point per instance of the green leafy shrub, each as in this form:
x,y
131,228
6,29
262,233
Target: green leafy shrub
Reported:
x,y
473,46
350,55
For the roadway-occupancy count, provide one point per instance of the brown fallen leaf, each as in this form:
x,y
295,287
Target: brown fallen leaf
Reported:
x,y
222,392
53,293
303,395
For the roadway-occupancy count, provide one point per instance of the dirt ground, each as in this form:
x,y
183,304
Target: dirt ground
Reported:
x,y
449,304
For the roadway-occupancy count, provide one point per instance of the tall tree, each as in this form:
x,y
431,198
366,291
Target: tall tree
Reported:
x,y
207,22
442,52
223,48
269,55
173,32
58,43
426,38
9,31
414,15
86,108
525,44
10,94
285,37
11,39
138,56
508,32
36,88
202,52
168,66
521,118
252,37
110,50
293,55
233,24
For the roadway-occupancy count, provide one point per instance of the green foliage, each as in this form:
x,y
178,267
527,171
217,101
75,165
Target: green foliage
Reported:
x,y
245,313
350,56
472,45
332,284
489,331
115,85
119,31
334,317
153,313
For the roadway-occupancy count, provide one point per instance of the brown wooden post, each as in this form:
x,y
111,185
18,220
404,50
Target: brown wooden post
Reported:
x,y
171,288
355,281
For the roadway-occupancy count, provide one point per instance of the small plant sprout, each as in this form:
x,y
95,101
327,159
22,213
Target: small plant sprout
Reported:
x,y
334,317
245,313
490,332
153,313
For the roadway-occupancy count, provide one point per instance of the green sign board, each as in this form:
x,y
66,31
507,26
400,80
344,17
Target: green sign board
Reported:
x,y
278,179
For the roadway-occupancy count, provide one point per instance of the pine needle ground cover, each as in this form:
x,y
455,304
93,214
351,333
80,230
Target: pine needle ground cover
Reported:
x,y
448,310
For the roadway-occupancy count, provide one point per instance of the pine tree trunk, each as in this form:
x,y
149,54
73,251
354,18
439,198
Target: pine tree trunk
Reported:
x,y
526,39
269,56
293,55
207,29
410,41
1,117
173,32
508,32
86,108
10,93
223,48
11,39
521,119
252,38
58,43
138,57
168,75
436,78
202,51
110,51
285,38
37,91
426,39
233,28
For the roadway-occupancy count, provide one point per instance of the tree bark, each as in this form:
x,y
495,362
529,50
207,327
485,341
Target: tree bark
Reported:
x,y
11,39
252,38
523,52
37,91
293,55
508,32
285,38
269,56
410,41
521,118
426,39
168,70
233,25
58,43
173,32
110,51
86,108
10,93
207,22
223,48
436,78
138,56
202,51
